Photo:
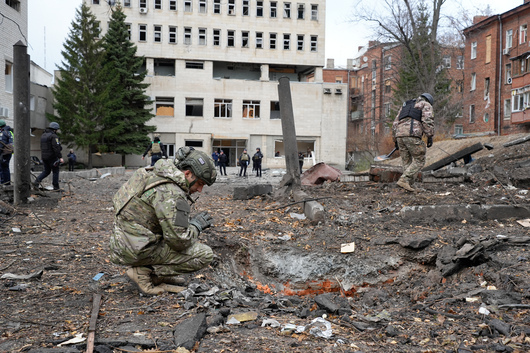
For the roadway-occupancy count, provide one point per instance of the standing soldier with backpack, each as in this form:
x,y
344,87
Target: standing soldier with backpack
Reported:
x,y
156,150
244,160
414,119
51,155
256,159
6,150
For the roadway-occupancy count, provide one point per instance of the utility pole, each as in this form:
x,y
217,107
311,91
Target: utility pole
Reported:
x,y
22,123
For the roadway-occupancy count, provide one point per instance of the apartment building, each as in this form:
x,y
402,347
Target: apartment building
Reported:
x,y
213,68
497,85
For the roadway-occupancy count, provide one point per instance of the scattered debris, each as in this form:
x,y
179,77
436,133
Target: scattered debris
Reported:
x,y
320,173
34,275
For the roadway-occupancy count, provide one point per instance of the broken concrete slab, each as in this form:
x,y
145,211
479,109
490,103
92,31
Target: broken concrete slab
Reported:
x,y
324,301
517,142
190,331
320,173
250,191
454,157
387,174
447,213
416,242
355,177
312,209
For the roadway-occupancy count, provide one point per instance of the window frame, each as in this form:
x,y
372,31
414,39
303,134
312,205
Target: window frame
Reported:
x,y
287,10
314,12
164,102
273,13
142,32
191,102
172,34
222,108
188,36
474,46
157,33
251,109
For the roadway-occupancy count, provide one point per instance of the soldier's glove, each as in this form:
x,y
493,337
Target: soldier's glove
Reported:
x,y
396,145
429,142
202,221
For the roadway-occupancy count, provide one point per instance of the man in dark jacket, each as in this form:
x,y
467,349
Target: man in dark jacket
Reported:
x,y
51,155
6,150
256,159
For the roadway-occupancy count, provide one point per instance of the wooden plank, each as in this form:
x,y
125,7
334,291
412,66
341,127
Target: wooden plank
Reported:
x,y
516,142
96,301
454,157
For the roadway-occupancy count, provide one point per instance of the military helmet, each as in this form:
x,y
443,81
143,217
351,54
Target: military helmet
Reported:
x,y
198,162
429,98
54,126
2,123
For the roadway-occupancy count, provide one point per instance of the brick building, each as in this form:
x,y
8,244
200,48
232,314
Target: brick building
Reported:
x,y
497,84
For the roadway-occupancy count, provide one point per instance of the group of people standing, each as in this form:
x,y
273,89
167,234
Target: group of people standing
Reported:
x,y
221,160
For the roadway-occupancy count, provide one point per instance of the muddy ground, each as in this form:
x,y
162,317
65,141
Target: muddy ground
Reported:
x,y
465,288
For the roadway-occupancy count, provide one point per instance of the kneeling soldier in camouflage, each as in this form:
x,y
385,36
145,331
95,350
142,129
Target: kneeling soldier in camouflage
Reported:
x,y
152,230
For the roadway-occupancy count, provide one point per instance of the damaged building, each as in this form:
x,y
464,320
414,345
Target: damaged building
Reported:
x,y
213,69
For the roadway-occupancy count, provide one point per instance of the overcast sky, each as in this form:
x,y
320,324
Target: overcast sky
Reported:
x,y
50,23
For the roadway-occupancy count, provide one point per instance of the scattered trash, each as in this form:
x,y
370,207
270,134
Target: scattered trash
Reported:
x,y
491,288
243,317
320,328
347,248
524,222
482,310
98,276
297,215
16,230
285,237
472,299
37,274
290,328
77,339
19,287
104,175
270,322
233,321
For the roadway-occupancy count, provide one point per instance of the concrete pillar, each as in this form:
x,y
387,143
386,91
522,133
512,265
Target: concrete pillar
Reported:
x,y
319,76
264,72
289,134
21,70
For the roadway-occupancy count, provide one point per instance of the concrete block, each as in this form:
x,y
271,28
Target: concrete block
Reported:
x,y
446,213
241,193
190,331
314,211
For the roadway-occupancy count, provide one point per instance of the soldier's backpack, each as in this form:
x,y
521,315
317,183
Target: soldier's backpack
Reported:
x,y
142,180
155,148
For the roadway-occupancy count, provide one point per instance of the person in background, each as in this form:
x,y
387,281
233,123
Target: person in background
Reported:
x,y
6,151
71,160
51,155
223,161
300,161
154,235
215,157
156,150
244,160
256,159
414,119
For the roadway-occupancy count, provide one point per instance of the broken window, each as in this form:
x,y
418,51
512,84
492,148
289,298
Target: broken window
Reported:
x,y
202,6
251,109
259,40
194,106
259,8
128,25
314,12
231,7
286,41
472,113
187,6
509,73
301,11
172,34
8,76
222,108
274,9
460,86
244,39
158,33
127,3
300,42
473,50
286,10
187,35
388,87
473,81
488,49
246,8
202,36
272,40
142,33
447,61
164,106
216,37
459,129
388,62
164,67
275,110
314,41
199,65
460,62
230,38
507,108
486,87
217,6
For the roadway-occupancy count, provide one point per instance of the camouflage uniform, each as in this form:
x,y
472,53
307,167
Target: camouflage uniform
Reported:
x,y
411,146
151,225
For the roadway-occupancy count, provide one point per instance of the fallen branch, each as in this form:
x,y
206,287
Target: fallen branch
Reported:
x,y
7,266
517,306
47,226
434,312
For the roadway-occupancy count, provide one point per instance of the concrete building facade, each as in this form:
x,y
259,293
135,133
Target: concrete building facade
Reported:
x,y
213,68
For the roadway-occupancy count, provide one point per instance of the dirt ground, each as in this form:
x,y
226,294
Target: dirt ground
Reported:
x,y
269,261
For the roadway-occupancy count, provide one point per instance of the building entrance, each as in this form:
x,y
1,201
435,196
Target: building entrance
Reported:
x,y
231,147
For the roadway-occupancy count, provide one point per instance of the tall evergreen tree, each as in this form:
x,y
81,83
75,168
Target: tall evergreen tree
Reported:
x,y
127,116
79,92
